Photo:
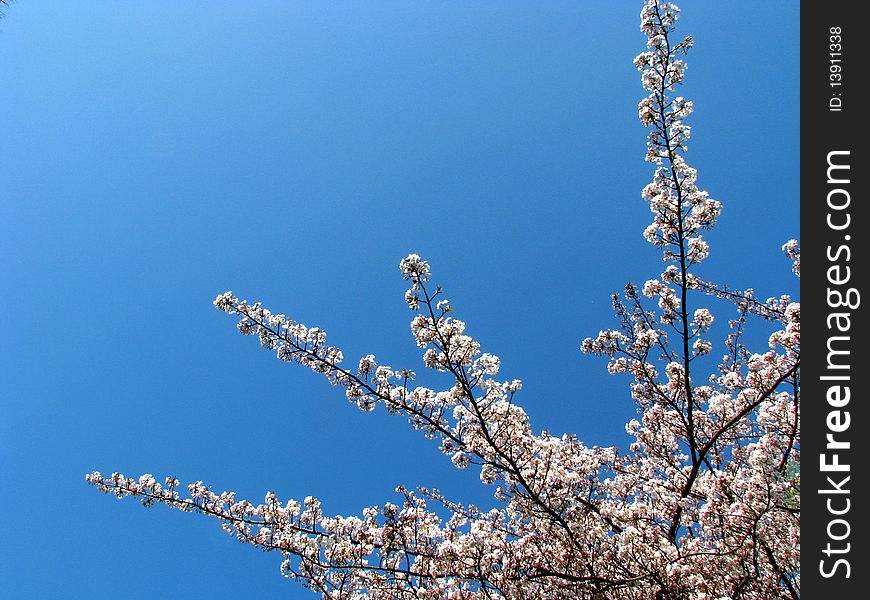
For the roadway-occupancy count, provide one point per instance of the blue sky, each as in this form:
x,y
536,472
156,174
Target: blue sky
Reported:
x,y
157,154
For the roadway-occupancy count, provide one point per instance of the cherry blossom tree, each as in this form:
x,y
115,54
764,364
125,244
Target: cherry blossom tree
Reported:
x,y
704,504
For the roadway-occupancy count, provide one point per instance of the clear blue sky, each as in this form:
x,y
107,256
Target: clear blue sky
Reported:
x,y
153,155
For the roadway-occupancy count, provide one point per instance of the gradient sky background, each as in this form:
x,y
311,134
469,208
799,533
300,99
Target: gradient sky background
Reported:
x,y
156,154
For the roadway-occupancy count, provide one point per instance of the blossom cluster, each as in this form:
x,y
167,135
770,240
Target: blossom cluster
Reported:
x,y
704,503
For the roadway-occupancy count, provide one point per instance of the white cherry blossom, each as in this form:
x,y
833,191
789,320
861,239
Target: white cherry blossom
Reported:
x,y
702,504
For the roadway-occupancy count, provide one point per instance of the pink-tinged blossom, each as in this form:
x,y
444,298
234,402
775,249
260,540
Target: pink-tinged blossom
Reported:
x,y
793,251
702,504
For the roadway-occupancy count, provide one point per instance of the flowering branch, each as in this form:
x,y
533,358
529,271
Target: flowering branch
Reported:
x,y
705,502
